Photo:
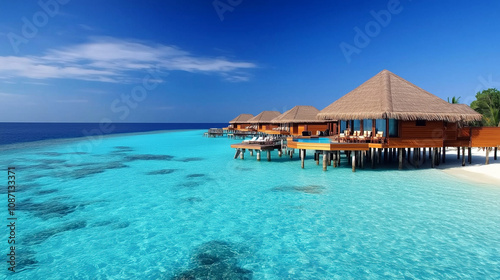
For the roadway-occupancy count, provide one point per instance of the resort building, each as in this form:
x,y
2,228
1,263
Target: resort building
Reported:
x,y
300,120
263,121
385,117
240,122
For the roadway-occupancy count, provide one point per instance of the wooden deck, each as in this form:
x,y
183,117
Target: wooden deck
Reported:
x,y
259,147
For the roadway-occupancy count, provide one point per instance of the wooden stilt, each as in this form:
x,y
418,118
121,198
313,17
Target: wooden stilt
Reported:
x,y
400,155
433,157
302,156
463,156
423,155
444,154
362,159
354,162
268,155
458,152
487,155
372,158
317,158
280,153
430,153
291,153
379,155
329,158
495,153
469,154
258,155
438,156
251,153
338,158
385,155
324,161
242,155
408,155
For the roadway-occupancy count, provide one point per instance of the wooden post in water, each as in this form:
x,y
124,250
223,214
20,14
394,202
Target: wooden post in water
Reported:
x,y
258,155
400,155
433,157
280,152
324,161
458,152
291,153
251,153
317,158
334,159
487,155
469,154
379,156
353,161
495,153
385,155
444,154
302,156
362,159
372,158
268,155
242,155
463,156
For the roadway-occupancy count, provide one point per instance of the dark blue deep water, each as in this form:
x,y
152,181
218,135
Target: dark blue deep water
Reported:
x,y
11,133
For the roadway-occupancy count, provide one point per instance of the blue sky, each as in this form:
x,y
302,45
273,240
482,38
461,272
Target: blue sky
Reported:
x,y
208,61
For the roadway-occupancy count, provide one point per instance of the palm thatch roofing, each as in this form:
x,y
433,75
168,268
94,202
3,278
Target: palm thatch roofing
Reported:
x,y
299,114
243,118
264,117
387,95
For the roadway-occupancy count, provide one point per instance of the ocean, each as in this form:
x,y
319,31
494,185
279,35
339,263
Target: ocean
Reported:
x,y
176,205
11,133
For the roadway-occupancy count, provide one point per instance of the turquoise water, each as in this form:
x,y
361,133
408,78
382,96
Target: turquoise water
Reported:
x,y
158,205
314,140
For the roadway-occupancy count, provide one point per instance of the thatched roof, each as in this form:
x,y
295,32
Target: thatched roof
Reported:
x,y
298,114
387,95
243,118
264,117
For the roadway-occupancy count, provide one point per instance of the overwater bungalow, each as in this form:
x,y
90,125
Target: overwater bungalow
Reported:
x,y
262,122
386,118
300,120
240,122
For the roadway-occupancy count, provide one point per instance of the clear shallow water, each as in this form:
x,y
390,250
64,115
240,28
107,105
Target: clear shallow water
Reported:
x,y
157,205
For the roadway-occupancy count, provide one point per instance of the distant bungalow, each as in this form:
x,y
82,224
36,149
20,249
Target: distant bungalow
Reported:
x,y
240,122
385,114
263,121
298,120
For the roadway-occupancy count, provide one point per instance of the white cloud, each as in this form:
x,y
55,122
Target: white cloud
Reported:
x,y
112,60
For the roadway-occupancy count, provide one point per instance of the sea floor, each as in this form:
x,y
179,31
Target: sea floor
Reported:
x,y
177,205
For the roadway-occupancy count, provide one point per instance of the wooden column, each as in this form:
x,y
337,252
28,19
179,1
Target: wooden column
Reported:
x,y
280,153
361,127
291,153
334,154
469,154
495,153
487,155
258,155
444,154
242,155
379,155
458,152
324,161
302,156
423,155
463,156
372,157
251,153
433,157
353,161
385,155
374,127
400,155
362,159
268,155
317,158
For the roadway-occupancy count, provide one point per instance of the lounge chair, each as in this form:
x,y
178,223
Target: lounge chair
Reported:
x,y
354,136
379,137
366,136
251,140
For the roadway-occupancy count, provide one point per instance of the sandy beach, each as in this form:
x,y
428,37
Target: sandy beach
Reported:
x,y
477,172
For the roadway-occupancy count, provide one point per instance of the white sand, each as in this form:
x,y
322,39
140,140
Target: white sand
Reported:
x,y
477,172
